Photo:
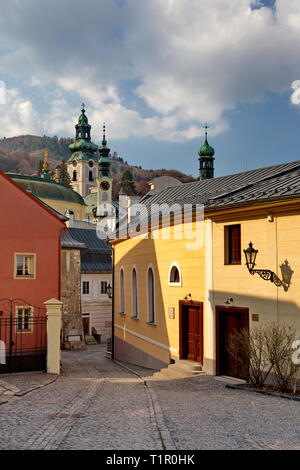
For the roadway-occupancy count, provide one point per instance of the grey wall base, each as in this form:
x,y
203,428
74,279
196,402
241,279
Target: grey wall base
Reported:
x,y
127,353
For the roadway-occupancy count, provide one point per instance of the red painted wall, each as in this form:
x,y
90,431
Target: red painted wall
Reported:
x,y
27,227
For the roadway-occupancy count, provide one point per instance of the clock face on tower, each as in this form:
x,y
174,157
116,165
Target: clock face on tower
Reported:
x,y
105,185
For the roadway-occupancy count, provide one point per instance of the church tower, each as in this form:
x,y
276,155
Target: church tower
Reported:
x,y
104,180
46,172
206,159
82,165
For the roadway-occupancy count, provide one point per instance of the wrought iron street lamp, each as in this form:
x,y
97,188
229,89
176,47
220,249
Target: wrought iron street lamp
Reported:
x,y
267,274
250,255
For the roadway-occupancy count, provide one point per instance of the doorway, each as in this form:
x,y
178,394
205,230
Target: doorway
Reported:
x,y
228,321
191,331
86,325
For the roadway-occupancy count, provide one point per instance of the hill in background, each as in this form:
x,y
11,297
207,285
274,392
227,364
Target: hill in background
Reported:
x,y
22,155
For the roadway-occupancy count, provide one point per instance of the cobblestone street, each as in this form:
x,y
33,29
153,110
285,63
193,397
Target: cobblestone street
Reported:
x,y
97,404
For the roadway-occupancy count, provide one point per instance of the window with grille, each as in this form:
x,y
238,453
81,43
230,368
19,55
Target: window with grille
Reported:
x,y
24,322
232,238
103,287
85,287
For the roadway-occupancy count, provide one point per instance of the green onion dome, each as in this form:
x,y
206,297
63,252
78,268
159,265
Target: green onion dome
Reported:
x,y
206,150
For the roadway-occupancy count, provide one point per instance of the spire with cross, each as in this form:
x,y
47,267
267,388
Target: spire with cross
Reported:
x,y
104,142
206,158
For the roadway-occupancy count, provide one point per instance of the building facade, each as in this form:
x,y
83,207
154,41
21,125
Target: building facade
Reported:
x,y
30,233
87,275
173,302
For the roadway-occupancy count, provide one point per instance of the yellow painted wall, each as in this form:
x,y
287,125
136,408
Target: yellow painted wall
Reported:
x,y
209,280
160,254
63,206
276,242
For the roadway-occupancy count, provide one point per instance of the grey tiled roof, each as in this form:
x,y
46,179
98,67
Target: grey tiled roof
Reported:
x,y
69,242
200,192
95,262
285,186
95,254
90,239
263,184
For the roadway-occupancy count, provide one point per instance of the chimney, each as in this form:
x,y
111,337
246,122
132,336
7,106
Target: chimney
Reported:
x,y
71,217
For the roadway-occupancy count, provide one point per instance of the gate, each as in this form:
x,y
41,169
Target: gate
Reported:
x,y
23,336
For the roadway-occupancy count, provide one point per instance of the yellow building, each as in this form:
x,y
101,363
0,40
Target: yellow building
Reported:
x,y
151,277
174,298
234,297
59,197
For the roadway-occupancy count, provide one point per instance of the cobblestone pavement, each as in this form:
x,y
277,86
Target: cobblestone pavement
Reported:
x,y
201,413
97,404
94,404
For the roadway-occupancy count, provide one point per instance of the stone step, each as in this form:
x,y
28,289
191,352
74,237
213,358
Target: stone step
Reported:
x,y
189,366
179,370
90,340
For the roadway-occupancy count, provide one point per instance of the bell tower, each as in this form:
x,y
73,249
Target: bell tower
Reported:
x,y
82,165
206,159
104,180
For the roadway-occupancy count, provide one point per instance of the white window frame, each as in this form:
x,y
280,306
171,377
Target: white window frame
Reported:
x,y
24,307
24,255
103,282
174,264
150,322
134,315
89,292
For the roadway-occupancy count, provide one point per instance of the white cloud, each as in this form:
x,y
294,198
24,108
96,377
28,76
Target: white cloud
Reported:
x,y
189,61
18,116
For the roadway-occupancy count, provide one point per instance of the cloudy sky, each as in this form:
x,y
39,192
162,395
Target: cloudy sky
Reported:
x,y
155,71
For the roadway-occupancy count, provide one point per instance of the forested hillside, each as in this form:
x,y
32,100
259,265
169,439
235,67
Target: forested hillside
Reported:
x,y
22,154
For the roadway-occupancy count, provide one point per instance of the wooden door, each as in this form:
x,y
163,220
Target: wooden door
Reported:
x,y
191,332
229,321
86,325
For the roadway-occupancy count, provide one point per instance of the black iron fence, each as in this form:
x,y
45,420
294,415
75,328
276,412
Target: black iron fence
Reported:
x,y
23,336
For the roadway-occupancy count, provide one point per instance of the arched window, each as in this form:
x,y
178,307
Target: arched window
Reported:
x,y
174,275
91,176
122,292
134,294
151,296
74,175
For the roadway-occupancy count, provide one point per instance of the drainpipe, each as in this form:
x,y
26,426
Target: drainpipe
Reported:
x,y
113,304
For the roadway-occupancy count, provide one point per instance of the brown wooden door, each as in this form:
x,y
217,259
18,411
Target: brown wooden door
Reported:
x,y
191,347
86,325
228,322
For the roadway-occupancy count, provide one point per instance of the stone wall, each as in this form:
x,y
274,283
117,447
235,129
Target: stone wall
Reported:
x,y
72,333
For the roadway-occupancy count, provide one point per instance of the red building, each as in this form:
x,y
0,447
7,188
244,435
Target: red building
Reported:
x,y
30,234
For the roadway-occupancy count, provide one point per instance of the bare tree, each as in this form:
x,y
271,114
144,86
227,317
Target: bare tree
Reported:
x,y
251,347
279,339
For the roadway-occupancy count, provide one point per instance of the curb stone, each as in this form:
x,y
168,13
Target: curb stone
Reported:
x,y
37,387
9,387
262,392
12,391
